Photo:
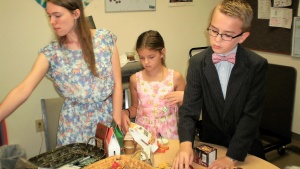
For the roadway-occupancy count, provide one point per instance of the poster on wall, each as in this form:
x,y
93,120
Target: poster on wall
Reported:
x,y
298,9
281,17
263,9
129,5
180,2
296,38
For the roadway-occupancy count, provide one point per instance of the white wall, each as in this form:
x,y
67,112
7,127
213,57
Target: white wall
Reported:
x,y
174,23
24,30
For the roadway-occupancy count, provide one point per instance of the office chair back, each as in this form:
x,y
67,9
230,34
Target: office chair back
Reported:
x,y
51,109
196,50
276,122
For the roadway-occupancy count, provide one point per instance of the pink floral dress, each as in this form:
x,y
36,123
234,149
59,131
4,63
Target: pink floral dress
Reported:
x,y
153,112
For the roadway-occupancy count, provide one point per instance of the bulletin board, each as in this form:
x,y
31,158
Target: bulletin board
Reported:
x,y
269,39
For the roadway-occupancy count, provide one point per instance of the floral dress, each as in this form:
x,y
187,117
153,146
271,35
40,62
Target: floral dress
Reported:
x,y
88,99
153,112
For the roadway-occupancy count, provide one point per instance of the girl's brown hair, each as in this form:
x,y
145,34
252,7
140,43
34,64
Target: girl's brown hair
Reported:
x,y
152,40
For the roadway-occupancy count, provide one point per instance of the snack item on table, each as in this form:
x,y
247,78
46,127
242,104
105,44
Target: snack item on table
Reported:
x,y
163,142
164,165
163,145
205,155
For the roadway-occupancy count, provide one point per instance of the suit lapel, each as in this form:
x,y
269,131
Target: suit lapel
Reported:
x,y
213,82
212,77
238,74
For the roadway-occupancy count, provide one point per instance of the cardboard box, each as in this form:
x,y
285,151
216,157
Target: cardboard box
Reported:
x,y
101,133
204,155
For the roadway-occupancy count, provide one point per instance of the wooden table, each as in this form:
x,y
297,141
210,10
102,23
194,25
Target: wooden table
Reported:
x,y
250,162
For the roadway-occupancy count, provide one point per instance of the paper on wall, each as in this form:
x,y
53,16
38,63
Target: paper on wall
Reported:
x,y
282,3
264,7
299,9
296,38
281,17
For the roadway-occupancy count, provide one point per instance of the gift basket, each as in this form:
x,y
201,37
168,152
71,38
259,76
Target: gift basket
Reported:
x,y
122,162
76,154
115,143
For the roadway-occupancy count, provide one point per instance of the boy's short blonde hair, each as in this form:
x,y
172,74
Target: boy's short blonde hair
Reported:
x,y
237,9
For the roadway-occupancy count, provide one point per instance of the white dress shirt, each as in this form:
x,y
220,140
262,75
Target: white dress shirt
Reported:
x,y
224,69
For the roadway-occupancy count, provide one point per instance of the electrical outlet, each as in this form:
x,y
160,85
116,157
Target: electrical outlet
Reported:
x,y
39,125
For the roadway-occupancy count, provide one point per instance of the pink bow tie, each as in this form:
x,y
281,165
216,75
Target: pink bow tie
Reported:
x,y
217,58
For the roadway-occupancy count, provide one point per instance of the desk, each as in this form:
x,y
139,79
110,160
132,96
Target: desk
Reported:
x,y
250,162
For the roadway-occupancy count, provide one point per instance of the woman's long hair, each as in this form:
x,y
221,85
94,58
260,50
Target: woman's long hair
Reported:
x,y
82,29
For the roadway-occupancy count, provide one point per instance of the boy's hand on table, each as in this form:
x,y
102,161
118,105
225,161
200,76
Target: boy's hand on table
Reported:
x,y
184,156
222,163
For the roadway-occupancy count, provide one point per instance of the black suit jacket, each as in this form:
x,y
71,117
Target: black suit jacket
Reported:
x,y
233,122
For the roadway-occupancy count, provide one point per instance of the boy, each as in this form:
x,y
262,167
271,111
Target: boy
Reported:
x,y
230,93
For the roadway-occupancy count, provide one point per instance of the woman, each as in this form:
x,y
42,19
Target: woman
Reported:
x,y
84,66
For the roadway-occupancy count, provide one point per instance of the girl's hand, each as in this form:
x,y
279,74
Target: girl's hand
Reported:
x,y
125,121
175,97
117,119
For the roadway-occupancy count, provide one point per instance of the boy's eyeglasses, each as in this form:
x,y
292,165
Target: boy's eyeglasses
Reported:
x,y
225,37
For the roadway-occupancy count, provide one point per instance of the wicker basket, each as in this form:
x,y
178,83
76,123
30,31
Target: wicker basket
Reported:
x,y
126,162
64,155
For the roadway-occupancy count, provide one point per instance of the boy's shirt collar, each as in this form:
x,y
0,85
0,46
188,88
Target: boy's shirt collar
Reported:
x,y
226,54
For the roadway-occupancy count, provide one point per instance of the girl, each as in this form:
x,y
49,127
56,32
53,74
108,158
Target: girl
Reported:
x,y
156,91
